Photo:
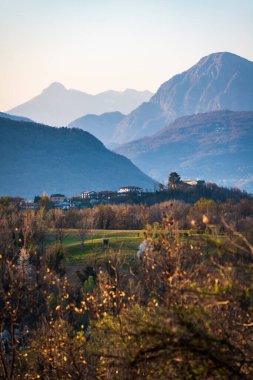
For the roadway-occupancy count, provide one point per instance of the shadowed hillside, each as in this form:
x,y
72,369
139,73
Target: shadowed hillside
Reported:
x,y
36,158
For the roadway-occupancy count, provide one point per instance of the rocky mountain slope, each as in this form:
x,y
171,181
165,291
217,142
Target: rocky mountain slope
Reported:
x,y
218,81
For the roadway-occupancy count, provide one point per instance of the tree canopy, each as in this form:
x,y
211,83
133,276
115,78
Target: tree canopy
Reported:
x,y
174,179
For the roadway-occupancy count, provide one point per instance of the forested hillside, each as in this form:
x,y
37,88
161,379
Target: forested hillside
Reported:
x,y
35,158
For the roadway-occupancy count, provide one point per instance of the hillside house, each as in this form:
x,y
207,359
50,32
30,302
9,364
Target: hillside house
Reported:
x,y
130,189
57,198
26,204
88,194
66,205
194,182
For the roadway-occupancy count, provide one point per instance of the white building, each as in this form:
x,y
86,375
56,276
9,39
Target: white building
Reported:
x,y
88,194
57,197
194,182
130,189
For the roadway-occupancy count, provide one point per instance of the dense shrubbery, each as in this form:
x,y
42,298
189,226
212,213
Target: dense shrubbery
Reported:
x,y
238,214
183,312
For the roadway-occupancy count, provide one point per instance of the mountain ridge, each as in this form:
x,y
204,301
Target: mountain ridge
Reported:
x,y
217,81
14,117
101,126
58,106
35,158
216,146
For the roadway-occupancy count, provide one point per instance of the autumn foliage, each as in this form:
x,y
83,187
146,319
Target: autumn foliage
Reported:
x,y
183,311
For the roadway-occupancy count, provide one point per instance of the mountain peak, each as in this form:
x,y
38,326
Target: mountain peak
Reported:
x,y
222,57
57,105
220,80
55,86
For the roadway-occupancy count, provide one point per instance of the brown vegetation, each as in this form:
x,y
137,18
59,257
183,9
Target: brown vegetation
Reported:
x,y
183,312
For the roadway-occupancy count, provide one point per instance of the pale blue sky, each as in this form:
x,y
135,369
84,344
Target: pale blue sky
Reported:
x,y
98,45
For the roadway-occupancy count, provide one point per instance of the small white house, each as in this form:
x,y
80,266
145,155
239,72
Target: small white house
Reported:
x,y
57,197
88,194
191,182
194,182
63,205
130,189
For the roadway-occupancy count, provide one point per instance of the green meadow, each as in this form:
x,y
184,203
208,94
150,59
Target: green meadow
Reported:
x,y
123,242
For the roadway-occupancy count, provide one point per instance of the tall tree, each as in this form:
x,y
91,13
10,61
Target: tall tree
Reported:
x,y
174,179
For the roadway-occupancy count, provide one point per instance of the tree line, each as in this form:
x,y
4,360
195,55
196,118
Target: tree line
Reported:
x,y
125,216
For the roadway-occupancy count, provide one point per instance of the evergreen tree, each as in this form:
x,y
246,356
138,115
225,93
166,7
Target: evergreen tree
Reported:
x,y
174,179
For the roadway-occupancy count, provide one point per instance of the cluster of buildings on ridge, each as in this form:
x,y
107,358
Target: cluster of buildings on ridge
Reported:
x,y
107,193
91,197
95,197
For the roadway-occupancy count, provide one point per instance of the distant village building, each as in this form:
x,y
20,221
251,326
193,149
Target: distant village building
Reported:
x,y
107,194
88,194
66,205
57,198
130,189
93,195
194,182
191,183
26,204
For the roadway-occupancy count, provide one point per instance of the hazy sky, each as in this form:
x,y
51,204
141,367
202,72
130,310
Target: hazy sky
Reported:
x,y
96,45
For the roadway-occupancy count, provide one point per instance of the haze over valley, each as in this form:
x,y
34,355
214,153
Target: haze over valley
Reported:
x,y
197,123
58,106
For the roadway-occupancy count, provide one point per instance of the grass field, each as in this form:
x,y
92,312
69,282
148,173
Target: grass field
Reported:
x,y
78,255
125,242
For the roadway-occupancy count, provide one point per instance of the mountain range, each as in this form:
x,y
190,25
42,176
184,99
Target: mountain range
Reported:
x,y
218,81
102,126
58,106
215,146
198,123
35,158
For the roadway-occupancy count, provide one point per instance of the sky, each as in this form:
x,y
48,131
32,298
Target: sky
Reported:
x,y
98,45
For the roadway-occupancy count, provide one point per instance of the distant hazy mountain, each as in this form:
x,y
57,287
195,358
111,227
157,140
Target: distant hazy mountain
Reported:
x,y
103,127
36,158
215,146
58,106
13,117
218,81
